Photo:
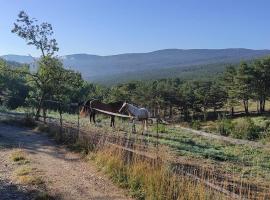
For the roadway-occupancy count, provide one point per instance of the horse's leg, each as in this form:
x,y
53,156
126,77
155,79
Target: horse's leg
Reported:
x,y
142,126
90,117
133,126
112,121
94,117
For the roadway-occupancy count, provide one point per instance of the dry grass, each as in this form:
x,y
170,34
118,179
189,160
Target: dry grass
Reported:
x,y
18,156
27,175
30,180
149,180
23,171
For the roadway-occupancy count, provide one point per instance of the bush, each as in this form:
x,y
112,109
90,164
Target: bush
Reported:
x,y
245,128
225,126
161,128
196,124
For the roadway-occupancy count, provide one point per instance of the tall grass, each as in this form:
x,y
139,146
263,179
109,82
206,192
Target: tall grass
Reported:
x,y
149,180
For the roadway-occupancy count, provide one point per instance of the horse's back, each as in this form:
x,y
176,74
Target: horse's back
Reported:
x,y
110,107
143,114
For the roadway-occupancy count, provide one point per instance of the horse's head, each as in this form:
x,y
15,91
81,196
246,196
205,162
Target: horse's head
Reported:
x,y
123,107
85,109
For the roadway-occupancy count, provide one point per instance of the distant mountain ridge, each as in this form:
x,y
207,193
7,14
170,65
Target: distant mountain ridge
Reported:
x,y
97,68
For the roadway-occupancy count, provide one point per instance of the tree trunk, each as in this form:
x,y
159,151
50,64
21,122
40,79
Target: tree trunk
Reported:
x,y
186,115
164,112
232,111
171,111
246,106
61,122
44,115
39,107
204,114
262,104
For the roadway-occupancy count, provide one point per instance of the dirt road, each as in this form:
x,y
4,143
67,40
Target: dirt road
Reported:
x,y
65,174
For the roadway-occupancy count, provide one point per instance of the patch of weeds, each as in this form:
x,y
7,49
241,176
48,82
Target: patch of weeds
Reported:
x,y
26,175
161,128
30,180
245,128
225,126
17,156
23,171
196,124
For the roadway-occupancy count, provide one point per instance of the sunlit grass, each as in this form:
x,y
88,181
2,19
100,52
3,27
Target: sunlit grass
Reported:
x,y
148,181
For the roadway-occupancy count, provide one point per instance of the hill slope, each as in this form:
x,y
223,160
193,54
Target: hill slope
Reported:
x,y
150,65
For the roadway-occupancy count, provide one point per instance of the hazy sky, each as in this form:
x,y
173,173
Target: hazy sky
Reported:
x,y
107,27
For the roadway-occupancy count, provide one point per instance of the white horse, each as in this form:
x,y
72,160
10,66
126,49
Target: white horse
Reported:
x,y
140,114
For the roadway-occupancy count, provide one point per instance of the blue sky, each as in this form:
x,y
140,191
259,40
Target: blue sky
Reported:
x,y
106,27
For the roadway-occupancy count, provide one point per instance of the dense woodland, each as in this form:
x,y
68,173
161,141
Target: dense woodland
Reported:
x,y
170,98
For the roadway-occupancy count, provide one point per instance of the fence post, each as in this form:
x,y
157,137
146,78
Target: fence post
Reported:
x,y
61,121
78,120
157,132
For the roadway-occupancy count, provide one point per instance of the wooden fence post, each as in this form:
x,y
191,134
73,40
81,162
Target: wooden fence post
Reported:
x,y
78,120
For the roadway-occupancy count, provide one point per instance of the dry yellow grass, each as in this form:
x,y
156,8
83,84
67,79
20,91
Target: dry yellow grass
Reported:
x,y
30,180
147,180
18,155
26,175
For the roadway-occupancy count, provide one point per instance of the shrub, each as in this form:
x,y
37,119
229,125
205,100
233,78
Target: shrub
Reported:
x,y
161,128
225,126
196,124
245,128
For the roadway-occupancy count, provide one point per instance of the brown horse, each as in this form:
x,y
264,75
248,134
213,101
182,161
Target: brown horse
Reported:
x,y
90,106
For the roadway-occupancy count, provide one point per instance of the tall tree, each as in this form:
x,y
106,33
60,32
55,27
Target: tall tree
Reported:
x,y
40,36
261,81
244,81
229,82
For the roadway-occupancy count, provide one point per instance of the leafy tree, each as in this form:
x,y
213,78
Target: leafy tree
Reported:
x,y
244,81
13,88
261,81
38,35
229,82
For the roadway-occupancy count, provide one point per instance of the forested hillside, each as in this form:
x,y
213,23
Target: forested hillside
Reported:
x,y
167,63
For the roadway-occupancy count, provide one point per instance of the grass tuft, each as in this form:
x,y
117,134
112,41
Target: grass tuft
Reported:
x,y
18,155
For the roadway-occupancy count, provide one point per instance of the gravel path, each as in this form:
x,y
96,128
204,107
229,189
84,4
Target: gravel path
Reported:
x,y
65,174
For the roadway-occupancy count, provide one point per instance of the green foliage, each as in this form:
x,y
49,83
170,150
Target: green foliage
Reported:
x,y
225,126
13,88
245,128
38,35
196,124
160,128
